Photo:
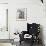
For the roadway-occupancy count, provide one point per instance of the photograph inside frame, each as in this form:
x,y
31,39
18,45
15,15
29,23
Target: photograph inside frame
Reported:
x,y
21,14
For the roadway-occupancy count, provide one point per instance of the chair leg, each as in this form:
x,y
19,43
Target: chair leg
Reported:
x,y
20,42
32,42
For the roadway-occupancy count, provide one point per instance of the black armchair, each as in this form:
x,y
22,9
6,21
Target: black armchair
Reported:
x,y
33,30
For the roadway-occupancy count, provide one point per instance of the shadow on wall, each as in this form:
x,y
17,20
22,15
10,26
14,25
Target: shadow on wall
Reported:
x,y
41,34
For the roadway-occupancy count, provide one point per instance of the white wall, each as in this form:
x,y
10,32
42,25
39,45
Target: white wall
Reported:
x,y
35,13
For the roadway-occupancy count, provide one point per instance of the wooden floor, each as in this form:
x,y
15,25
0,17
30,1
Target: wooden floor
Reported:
x,y
6,44
6,40
29,44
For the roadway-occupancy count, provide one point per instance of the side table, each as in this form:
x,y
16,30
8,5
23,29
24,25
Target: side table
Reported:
x,y
16,40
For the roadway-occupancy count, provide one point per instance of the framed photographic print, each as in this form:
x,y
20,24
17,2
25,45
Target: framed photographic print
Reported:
x,y
21,14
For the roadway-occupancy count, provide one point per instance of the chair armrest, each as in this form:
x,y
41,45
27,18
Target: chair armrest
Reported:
x,y
22,35
24,32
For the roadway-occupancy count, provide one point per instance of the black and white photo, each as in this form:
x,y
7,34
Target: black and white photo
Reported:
x,y
21,14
